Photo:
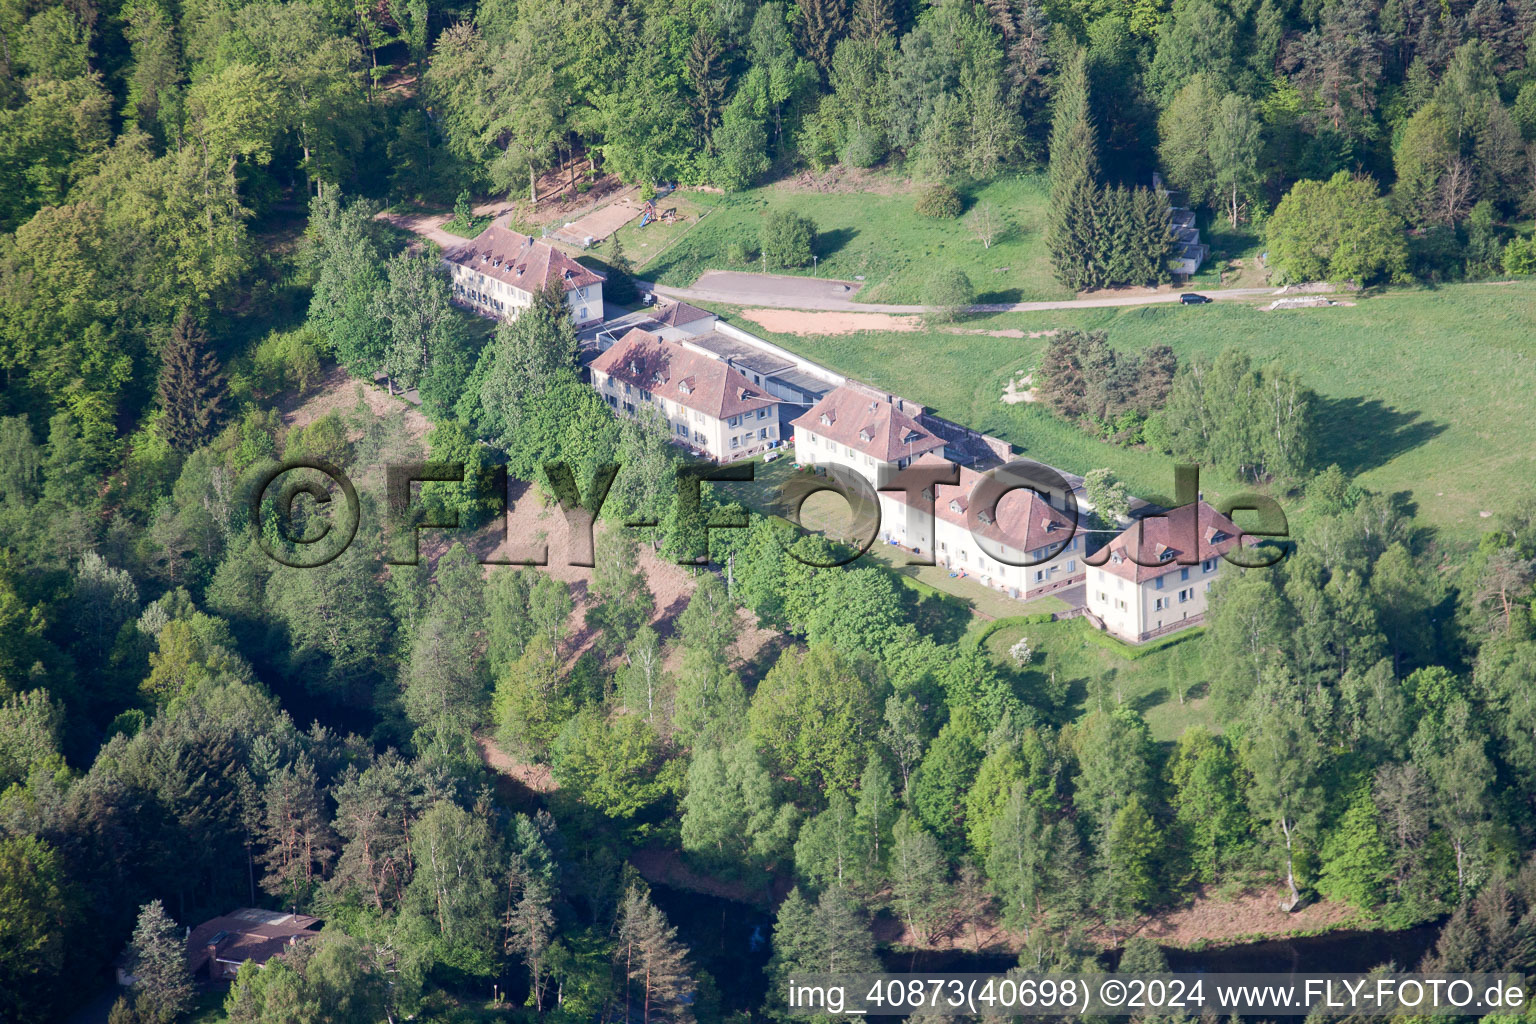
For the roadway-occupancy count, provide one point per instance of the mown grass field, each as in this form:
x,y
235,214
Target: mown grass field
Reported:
x,y
876,235
1428,392
1064,656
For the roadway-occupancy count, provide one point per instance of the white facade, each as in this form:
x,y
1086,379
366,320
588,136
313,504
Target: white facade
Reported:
x,y
734,437
490,297
1141,611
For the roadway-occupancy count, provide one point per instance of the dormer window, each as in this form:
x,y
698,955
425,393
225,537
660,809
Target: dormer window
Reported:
x,y
984,517
634,367
954,506
826,420
685,387
865,435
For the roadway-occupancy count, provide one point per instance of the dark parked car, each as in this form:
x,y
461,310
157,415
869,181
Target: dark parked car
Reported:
x,y
1193,298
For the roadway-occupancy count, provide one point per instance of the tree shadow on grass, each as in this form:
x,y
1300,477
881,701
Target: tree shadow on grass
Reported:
x,y
830,242
1361,434
999,296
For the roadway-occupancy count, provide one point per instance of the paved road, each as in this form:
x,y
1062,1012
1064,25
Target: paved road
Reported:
x,y
788,292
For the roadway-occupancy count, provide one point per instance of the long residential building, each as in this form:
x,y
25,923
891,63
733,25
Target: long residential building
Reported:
x,y
707,405
498,271
879,436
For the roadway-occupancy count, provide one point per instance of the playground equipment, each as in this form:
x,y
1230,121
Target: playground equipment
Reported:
x,y
648,213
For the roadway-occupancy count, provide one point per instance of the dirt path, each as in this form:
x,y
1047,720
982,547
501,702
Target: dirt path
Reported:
x,y
430,225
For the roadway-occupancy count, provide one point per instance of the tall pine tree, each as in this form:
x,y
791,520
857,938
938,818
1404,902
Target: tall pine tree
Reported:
x,y
191,386
1073,234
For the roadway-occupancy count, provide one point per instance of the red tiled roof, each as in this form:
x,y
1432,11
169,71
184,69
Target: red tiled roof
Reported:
x,y
1182,537
247,934
868,424
1024,521
518,260
669,370
677,314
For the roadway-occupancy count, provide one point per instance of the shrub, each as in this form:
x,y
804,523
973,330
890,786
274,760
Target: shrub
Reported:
x,y
287,360
739,254
865,148
939,202
949,293
788,239
1520,256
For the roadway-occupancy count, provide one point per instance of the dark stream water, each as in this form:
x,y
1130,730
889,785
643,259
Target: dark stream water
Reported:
x,y
732,942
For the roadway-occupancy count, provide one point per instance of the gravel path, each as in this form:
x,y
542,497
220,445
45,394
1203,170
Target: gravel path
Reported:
x,y
788,292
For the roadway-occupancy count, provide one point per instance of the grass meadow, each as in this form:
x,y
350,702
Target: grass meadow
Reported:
x,y
1428,392
875,235
1167,683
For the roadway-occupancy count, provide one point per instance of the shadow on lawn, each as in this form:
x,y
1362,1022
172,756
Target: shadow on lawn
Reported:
x,y
1361,434
830,242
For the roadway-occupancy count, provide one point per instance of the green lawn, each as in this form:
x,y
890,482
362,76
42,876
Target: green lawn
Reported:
x,y
642,245
880,237
1427,392
1065,656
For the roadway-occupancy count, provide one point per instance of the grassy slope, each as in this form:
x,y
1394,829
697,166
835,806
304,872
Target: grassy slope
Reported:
x,y
1428,392
1090,672
880,237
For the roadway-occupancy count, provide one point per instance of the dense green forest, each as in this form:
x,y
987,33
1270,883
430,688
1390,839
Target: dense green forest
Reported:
x,y
188,195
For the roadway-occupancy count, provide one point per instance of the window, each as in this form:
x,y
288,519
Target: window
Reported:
x,y
1157,584
1209,565
1071,565
735,442
1184,574
762,435
1157,605
626,389
733,421
1039,576
682,429
1185,595
583,313
762,414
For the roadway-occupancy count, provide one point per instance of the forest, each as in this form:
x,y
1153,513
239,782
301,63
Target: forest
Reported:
x,y
192,250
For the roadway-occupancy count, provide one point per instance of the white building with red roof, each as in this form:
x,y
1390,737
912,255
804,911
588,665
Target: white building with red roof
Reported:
x,y
1040,547
864,430
1155,577
498,271
878,436
707,405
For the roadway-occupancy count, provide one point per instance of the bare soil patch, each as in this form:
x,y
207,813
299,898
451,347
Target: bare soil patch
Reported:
x,y
1019,390
598,224
794,321
846,179
1249,916
536,777
337,392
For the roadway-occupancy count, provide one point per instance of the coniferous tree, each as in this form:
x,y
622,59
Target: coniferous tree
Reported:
x,y
658,977
191,386
872,20
1073,230
157,954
